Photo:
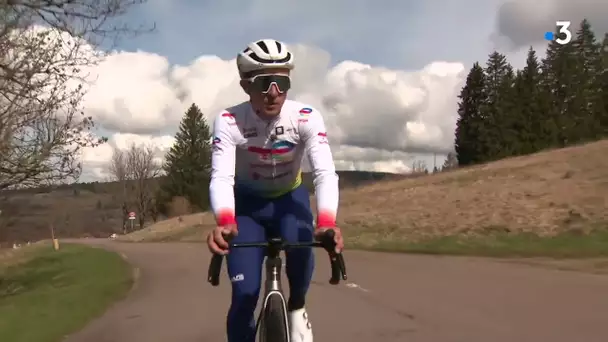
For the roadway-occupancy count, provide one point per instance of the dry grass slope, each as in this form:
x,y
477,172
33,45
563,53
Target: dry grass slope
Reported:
x,y
545,193
185,228
92,209
11,257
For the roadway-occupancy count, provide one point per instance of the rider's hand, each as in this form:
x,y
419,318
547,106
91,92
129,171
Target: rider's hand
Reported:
x,y
337,237
216,240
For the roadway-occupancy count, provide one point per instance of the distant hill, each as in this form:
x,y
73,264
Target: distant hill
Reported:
x,y
94,209
349,179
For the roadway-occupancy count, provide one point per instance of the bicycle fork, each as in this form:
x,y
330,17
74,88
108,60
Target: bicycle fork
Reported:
x,y
273,287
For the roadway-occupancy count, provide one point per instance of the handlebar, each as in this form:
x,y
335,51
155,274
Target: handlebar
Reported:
x,y
326,241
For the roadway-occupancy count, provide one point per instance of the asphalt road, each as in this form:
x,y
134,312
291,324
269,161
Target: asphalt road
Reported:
x,y
388,297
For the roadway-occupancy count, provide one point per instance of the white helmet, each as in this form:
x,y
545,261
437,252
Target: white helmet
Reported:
x,y
263,54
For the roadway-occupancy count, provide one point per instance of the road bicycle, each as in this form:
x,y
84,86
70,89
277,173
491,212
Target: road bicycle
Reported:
x,y
272,323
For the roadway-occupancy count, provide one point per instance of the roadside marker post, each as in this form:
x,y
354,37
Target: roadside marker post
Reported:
x,y
132,219
55,241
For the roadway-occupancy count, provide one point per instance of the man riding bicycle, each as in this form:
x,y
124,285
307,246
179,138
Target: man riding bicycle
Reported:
x,y
256,185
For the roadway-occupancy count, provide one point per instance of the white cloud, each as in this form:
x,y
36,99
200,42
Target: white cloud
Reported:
x,y
376,117
160,143
131,93
96,159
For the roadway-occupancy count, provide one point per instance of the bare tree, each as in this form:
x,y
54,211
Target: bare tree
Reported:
x,y
96,21
419,167
154,209
119,172
118,166
42,126
143,169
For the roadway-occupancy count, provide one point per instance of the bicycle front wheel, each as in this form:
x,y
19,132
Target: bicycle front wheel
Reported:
x,y
273,327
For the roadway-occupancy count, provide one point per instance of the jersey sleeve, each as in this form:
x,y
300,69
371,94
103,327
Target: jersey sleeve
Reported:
x,y
325,179
223,159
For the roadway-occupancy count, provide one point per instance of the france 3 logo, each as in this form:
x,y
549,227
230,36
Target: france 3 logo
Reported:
x,y
563,36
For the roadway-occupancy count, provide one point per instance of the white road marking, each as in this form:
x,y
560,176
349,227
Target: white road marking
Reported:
x,y
136,275
356,286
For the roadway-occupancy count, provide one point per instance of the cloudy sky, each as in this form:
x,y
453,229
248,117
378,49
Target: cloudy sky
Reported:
x,y
384,73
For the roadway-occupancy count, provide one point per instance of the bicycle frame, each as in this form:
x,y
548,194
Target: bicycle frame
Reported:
x,y
272,286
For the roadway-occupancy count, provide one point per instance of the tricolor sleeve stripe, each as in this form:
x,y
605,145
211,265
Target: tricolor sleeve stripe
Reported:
x,y
325,178
223,158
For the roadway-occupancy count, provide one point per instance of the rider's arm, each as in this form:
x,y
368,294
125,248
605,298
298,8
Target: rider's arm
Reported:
x,y
223,157
325,179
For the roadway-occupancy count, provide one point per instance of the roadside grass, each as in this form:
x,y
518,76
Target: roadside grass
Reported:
x,y
187,234
47,294
13,257
574,249
184,228
569,244
491,242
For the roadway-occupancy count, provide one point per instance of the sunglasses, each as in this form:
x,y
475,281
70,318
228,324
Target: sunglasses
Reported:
x,y
262,83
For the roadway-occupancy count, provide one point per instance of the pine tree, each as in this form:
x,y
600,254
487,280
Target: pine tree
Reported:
x,y
188,162
600,102
451,162
529,127
470,124
558,69
499,108
560,101
586,94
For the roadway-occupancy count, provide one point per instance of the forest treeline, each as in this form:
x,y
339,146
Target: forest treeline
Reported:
x,y
555,102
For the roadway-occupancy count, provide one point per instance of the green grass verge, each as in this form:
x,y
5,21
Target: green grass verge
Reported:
x,y
54,293
184,234
187,234
565,245
490,242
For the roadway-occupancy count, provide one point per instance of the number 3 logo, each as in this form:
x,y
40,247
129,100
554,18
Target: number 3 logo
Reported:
x,y
563,30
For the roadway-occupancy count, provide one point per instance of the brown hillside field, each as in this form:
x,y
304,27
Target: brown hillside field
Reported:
x,y
184,228
95,209
545,193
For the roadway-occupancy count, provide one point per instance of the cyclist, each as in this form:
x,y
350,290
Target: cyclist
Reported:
x,y
256,185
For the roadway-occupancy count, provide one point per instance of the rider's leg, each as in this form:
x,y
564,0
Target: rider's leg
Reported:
x,y
245,272
296,223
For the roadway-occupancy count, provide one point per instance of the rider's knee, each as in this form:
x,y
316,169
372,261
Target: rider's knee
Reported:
x,y
244,302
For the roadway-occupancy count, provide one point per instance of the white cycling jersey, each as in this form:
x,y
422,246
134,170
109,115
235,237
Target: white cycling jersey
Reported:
x,y
265,158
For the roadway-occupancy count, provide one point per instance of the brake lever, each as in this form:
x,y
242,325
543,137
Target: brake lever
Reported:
x,y
336,259
342,265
